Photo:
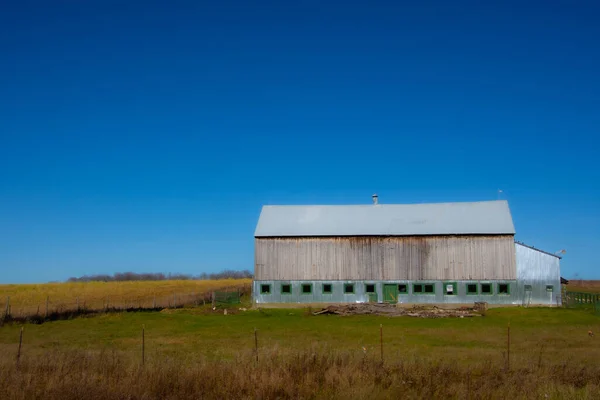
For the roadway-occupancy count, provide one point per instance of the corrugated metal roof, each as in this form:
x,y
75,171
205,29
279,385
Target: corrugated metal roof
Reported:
x,y
486,217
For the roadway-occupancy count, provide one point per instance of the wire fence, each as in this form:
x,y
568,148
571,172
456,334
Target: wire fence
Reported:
x,y
582,300
224,297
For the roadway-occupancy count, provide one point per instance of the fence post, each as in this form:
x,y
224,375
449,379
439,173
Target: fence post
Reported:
x,y
256,344
20,344
77,303
47,302
154,302
7,312
143,344
381,341
508,348
469,384
213,299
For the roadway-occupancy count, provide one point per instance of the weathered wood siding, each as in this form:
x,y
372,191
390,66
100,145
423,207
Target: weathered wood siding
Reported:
x,y
385,258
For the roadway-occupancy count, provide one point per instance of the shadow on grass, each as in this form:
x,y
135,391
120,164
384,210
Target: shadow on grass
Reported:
x,y
71,314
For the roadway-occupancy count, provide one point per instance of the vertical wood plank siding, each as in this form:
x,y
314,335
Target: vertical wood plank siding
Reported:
x,y
385,258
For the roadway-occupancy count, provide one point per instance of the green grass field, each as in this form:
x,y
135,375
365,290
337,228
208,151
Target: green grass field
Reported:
x,y
198,352
200,332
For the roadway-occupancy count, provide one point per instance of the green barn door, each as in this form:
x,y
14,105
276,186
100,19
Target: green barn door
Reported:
x,y
390,293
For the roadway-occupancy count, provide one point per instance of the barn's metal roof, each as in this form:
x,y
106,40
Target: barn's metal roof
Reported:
x,y
477,218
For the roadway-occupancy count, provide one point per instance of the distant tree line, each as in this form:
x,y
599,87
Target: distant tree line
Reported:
x,y
134,276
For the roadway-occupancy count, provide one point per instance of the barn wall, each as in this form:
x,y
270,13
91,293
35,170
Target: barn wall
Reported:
x,y
541,271
386,258
275,296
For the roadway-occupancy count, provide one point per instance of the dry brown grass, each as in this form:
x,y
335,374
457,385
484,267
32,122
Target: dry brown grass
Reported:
x,y
579,285
109,375
28,299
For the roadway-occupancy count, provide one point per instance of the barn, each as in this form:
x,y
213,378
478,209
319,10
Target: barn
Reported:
x,y
399,253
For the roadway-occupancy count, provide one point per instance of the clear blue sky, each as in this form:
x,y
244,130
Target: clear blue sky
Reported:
x,y
146,136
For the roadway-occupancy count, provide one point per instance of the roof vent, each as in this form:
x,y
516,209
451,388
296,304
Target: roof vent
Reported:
x,y
375,199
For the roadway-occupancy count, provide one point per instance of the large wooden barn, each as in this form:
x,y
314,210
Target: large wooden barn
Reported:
x,y
399,253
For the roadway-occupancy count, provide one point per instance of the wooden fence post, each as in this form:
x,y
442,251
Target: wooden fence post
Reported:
x,y
256,343
143,344
469,384
508,348
7,312
381,340
20,344
47,303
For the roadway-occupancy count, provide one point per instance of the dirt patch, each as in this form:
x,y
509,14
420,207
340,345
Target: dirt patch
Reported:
x,y
391,310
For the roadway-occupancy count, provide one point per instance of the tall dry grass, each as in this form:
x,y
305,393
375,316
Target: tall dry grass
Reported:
x,y
30,299
301,375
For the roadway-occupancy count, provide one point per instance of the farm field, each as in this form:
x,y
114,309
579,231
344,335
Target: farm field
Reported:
x,y
586,286
31,299
201,353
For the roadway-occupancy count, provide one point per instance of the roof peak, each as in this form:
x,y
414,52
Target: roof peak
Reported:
x,y
387,204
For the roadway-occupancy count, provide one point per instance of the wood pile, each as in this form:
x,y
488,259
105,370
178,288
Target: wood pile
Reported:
x,y
391,310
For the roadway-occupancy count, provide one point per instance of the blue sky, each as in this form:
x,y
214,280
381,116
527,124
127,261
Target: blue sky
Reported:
x,y
146,136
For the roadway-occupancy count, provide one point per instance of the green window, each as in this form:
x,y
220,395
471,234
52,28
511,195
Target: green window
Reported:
x,y
503,288
370,288
549,288
286,288
486,288
403,288
450,288
471,288
348,288
423,288
306,288
265,289
327,288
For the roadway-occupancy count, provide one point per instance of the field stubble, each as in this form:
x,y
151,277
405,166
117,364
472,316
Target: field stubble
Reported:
x,y
29,300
